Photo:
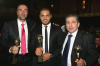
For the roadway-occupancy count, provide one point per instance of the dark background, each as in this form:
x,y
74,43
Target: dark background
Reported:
x,y
89,16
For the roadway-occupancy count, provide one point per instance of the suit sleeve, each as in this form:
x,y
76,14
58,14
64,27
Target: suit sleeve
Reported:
x,y
33,42
92,54
4,37
58,48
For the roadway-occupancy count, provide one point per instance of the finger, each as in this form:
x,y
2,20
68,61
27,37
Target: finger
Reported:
x,y
38,53
44,60
18,46
42,49
76,60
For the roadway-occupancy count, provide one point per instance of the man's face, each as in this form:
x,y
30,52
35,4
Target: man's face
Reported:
x,y
72,24
45,17
22,12
97,41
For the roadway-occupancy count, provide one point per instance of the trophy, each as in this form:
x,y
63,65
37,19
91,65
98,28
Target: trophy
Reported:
x,y
40,37
17,42
78,50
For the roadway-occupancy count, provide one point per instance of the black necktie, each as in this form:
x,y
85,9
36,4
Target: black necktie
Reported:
x,y
66,50
46,40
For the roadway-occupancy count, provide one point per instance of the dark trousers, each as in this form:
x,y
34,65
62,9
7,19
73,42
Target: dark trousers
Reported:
x,y
51,62
22,60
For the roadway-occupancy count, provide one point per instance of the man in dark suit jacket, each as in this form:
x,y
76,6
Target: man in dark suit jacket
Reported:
x,y
88,55
51,56
11,31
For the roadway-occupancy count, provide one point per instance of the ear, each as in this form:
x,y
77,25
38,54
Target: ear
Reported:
x,y
39,16
78,24
16,12
51,16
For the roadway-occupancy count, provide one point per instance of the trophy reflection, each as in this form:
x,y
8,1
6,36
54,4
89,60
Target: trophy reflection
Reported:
x,y
17,42
78,50
40,38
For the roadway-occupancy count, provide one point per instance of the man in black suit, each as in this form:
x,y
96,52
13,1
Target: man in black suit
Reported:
x,y
88,55
51,50
21,29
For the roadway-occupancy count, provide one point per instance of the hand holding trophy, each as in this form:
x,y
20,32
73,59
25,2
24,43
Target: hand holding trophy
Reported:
x,y
40,38
78,50
17,42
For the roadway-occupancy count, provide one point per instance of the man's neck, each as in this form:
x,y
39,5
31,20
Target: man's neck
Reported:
x,y
21,20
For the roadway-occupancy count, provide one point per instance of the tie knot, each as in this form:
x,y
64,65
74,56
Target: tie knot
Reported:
x,y
22,24
69,36
46,27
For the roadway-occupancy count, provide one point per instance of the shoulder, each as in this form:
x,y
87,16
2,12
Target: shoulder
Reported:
x,y
31,22
85,34
54,27
37,29
10,22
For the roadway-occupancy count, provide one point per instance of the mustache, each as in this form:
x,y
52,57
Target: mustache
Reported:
x,y
70,27
22,14
45,19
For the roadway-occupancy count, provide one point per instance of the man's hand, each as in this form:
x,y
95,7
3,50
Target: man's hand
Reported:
x,y
39,51
80,62
14,49
46,56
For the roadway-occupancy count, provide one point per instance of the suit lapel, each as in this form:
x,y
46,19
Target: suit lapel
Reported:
x,y
51,34
15,29
78,41
29,30
40,30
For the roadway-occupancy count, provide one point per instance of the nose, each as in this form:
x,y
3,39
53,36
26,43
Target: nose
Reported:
x,y
70,24
23,11
45,17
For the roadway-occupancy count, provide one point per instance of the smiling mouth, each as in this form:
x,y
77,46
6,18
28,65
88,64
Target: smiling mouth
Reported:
x,y
70,28
22,15
45,20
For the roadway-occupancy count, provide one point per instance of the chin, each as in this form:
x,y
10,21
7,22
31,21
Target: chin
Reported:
x,y
45,24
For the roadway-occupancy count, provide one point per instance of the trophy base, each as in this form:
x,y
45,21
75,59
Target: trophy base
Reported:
x,y
40,58
14,61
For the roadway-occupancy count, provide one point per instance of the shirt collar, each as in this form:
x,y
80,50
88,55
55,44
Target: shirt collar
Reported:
x,y
74,34
49,25
21,22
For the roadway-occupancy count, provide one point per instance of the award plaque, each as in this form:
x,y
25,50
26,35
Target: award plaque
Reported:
x,y
40,38
17,42
78,50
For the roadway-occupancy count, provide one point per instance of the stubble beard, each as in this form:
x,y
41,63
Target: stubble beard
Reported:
x,y
22,18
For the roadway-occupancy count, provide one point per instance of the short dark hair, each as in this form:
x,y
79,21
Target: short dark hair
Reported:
x,y
45,9
72,15
21,4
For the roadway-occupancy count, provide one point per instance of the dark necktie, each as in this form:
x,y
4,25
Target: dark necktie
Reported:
x,y
46,39
23,40
66,50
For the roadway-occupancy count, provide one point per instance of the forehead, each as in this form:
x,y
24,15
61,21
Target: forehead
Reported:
x,y
71,18
22,6
45,12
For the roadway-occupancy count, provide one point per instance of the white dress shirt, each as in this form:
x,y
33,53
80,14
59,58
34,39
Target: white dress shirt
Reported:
x,y
26,34
43,34
70,48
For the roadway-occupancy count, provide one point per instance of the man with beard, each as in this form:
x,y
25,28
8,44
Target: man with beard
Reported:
x,y
18,29
52,42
